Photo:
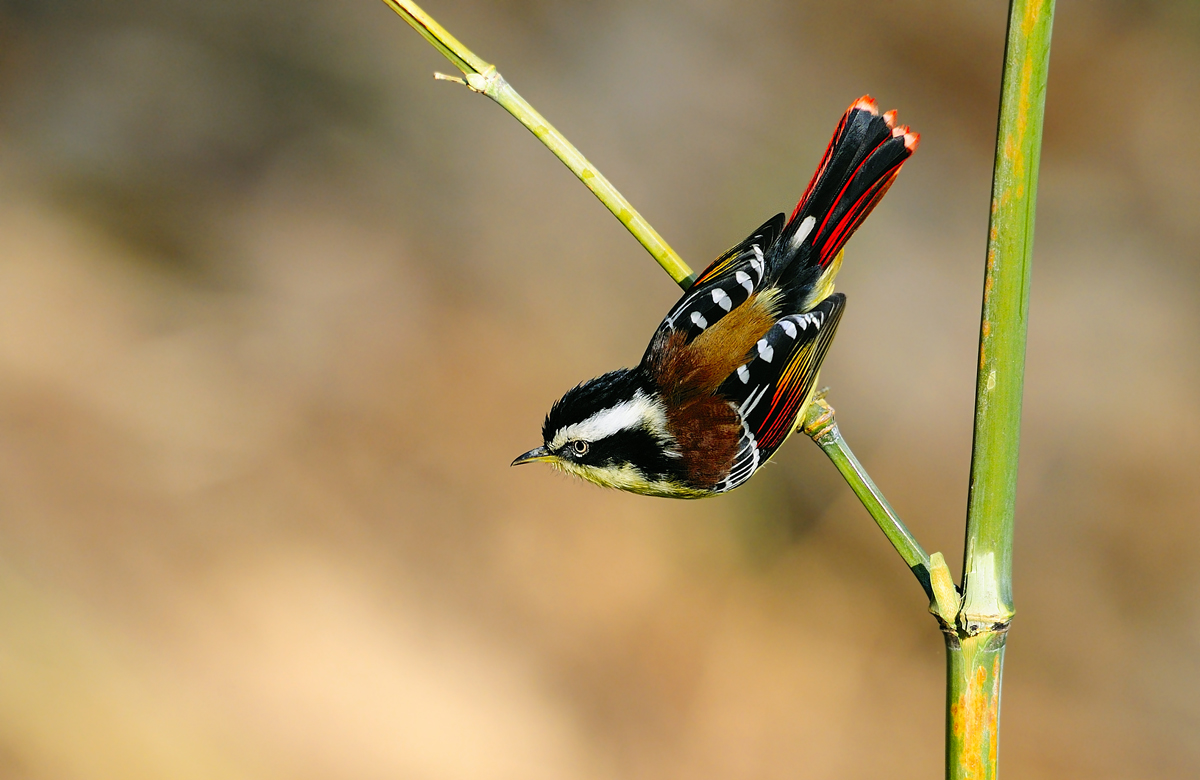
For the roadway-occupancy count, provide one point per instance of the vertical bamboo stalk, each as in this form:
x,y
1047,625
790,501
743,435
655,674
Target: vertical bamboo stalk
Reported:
x,y
975,647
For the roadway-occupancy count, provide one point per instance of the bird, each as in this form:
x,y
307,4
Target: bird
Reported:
x,y
730,372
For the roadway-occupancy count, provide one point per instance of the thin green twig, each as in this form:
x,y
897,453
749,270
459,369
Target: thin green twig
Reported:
x,y
821,426
483,77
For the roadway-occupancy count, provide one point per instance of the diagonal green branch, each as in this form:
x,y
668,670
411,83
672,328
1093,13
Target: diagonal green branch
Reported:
x,y
463,58
820,425
483,77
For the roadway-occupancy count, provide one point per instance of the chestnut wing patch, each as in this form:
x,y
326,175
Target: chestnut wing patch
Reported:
x,y
769,389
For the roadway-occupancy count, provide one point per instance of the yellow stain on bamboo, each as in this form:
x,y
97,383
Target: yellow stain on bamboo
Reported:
x,y
993,723
1032,11
1023,100
1015,144
975,717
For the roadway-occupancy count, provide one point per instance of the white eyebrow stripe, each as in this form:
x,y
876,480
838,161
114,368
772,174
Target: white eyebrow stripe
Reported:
x,y
641,411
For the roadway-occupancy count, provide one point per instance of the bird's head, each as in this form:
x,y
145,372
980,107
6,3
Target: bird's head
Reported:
x,y
612,431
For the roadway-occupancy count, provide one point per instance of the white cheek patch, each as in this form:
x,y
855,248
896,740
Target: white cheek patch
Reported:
x,y
641,411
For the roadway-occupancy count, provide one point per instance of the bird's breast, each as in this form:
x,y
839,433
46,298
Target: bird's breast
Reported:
x,y
706,432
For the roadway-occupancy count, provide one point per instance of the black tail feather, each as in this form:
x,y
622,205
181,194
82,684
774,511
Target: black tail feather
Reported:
x,y
859,165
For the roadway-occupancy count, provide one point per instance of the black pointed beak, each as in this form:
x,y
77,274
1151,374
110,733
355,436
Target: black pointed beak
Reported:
x,y
536,454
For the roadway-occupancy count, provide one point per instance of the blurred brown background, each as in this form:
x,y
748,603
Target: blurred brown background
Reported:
x,y
277,309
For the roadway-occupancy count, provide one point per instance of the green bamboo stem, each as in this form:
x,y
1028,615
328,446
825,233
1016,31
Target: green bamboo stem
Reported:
x,y
974,666
483,77
975,653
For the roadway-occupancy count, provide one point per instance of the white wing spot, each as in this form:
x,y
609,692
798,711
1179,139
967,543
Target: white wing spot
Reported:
x,y
699,320
744,374
802,321
757,262
721,298
765,350
752,400
788,328
802,232
743,279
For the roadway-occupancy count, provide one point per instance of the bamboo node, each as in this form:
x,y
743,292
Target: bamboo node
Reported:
x,y
483,81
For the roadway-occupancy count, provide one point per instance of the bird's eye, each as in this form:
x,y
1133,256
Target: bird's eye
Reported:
x,y
580,448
